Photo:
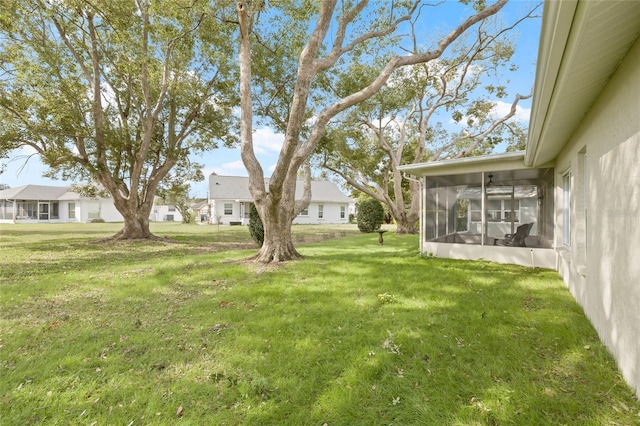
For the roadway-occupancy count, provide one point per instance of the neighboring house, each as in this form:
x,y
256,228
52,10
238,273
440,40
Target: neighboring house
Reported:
x,y
231,201
53,204
165,213
581,168
201,211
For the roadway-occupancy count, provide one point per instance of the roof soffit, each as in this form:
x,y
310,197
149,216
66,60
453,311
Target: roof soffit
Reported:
x,y
581,45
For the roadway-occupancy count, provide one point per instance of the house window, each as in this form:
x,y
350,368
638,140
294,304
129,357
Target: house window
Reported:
x,y
320,211
343,212
43,211
27,210
566,209
304,212
55,211
172,208
497,211
6,209
228,209
72,210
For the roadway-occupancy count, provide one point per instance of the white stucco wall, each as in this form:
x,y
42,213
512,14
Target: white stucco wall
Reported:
x,y
163,212
239,208
104,208
601,267
331,213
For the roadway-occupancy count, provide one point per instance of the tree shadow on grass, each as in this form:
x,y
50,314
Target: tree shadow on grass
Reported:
x,y
313,342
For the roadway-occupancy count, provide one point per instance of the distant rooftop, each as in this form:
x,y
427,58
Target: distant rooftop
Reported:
x,y
237,188
35,192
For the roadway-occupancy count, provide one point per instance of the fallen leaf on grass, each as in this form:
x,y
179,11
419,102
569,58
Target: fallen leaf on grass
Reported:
x,y
549,392
180,411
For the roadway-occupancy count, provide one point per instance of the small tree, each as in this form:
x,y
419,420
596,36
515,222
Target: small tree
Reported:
x,y
256,228
370,215
174,189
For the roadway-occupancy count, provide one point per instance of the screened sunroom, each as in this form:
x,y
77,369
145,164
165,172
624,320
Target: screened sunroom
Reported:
x,y
489,207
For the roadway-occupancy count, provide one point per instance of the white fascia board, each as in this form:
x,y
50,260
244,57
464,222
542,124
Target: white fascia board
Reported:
x,y
557,22
495,162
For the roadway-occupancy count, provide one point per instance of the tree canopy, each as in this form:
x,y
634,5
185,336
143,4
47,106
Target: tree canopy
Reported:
x,y
295,58
406,121
117,93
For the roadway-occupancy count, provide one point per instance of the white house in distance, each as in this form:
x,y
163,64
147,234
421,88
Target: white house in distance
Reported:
x,y
53,204
201,211
58,204
165,213
582,165
231,201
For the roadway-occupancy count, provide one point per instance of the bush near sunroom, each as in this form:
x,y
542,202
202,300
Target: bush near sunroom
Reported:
x,y
370,215
256,229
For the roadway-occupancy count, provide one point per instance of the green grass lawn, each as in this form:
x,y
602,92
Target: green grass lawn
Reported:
x,y
150,333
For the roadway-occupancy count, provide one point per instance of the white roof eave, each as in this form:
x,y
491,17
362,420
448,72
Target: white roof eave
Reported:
x,y
556,27
486,163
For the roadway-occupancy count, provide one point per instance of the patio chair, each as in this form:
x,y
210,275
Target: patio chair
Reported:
x,y
517,239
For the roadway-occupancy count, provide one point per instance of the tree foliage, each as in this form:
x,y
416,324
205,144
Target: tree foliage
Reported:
x,y
370,215
295,59
174,189
406,121
116,92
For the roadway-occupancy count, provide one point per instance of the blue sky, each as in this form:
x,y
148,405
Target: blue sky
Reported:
x,y
267,143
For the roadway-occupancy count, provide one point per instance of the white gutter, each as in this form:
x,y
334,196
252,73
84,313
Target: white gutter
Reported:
x,y
491,162
556,26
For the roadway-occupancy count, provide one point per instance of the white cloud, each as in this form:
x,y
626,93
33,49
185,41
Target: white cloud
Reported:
x,y
265,140
499,110
231,168
502,108
25,168
234,165
206,171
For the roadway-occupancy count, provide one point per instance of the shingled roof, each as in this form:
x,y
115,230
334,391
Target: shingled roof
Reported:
x,y
36,192
237,188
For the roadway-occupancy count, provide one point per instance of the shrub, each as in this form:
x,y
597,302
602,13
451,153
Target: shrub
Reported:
x,y
370,215
98,220
256,229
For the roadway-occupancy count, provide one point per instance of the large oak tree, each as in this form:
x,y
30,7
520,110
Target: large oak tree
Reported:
x,y
116,92
403,122
290,57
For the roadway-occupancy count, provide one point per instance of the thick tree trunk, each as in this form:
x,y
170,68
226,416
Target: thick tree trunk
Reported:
x,y
278,244
136,220
408,218
406,225
135,228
